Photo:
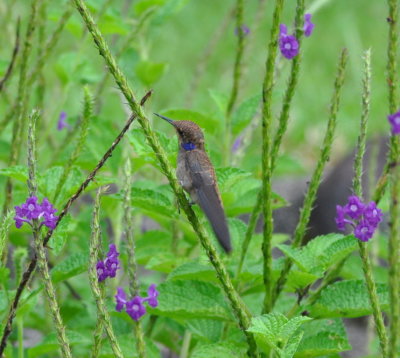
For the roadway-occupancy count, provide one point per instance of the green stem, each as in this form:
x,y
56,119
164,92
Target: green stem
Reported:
x,y
238,60
21,104
20,327
393,174
266,159
237,305
185,345
316,177
283,121
102,313
40,251
373,296
132,264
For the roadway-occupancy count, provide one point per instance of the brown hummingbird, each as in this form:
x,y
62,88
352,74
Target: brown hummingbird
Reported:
x,y
196,174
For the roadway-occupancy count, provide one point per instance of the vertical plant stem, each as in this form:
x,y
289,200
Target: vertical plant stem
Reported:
x,y
236,303
40,251
392,169
97,334
266,159
238,60
316,177
184,353
132,265
102,313
373,296
20,327
283,120
21,104
4,228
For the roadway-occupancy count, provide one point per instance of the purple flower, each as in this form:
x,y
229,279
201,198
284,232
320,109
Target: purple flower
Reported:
x,y
32,210
364,231
152,296
62,121
120,298
308,25
108,267
394,120
244,30
372,214
288,44
354,207
135,308
363,218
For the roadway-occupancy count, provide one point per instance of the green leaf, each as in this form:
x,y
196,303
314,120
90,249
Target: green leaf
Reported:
x,y
245,113
207,329
221,101
228,177
323,337
72,266
321,253
278,332
143,5
208,123
150,72
219,350
191,299
60,235
17,172
50,343
193,270
347,299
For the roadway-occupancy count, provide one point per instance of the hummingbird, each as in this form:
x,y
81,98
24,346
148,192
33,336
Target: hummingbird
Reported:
x,y
196,175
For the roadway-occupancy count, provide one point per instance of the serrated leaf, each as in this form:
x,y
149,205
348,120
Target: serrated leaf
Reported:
x,y
60,234
206,122
277,331
321,252
207,329
323,337
347,299
164,262
129,349
17,172
72,266
219,350
245,113
191,299
227,177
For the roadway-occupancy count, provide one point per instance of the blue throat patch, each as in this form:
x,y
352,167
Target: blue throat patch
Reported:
x,y
188,146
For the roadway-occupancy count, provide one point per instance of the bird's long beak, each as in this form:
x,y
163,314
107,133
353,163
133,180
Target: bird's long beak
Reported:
x,y
170,121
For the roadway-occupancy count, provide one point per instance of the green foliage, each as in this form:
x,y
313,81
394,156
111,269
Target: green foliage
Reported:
x,y
347,299
276,331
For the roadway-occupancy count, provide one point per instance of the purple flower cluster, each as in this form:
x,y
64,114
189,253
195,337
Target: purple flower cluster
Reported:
x,y
364,218
135,307
32,210
108,267
288,44
394,120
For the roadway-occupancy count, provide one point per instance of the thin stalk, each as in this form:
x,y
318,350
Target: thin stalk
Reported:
x,y
282,126
102,313
132,264
40,251
21,104
392,169
4,228
237,69
11,66
32,265
42,59
373,296
20,327
316,177
184,353
236,303
266,159
97,334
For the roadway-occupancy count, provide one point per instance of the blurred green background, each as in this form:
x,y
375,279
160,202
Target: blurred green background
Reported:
x,y
170,46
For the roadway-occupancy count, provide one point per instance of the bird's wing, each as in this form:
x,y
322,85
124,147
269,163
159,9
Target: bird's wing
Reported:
x,y
205,187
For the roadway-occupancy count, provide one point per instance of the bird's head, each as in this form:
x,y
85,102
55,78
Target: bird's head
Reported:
x,y
189,133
